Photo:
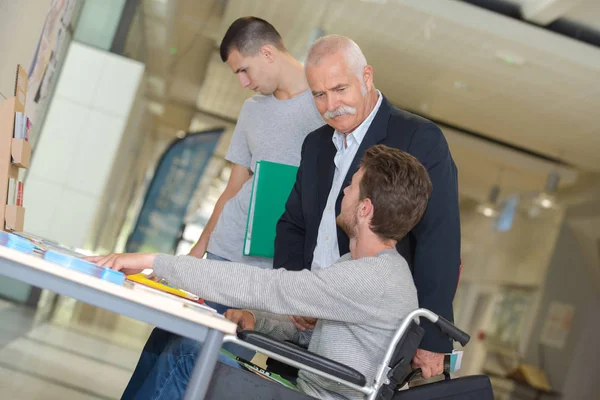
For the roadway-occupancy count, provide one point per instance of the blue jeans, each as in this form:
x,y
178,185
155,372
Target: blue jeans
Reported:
x,y
167,360
173,370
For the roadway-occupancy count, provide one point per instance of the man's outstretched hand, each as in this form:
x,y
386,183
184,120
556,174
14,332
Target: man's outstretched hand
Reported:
x,y
431,364
128,263
304,323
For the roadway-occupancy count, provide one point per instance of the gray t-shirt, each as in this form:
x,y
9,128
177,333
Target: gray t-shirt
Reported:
x,y
267,129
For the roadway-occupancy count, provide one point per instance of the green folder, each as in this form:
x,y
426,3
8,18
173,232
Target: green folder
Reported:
x,y
271,188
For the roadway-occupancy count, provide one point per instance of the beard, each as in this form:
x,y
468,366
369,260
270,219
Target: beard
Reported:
x,y
348,224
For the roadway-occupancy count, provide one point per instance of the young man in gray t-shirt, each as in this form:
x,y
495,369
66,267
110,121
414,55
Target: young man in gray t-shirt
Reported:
x,y
268,129
271,126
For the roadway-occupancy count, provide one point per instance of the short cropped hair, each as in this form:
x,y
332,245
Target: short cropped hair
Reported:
x,y
332,44
247,35
399,188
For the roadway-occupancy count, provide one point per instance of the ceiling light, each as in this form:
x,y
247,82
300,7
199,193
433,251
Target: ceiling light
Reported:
x,y
546,203
460,85
546,199
488,208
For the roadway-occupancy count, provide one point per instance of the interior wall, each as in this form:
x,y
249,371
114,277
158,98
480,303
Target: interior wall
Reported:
x,y
126,175
79,143
519,256
494,260
21,23
568,282
580,382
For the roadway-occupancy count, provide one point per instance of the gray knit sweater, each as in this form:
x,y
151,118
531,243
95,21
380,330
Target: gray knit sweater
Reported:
x,y
359,304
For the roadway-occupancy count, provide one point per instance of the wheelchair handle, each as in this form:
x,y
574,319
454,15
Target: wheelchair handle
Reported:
x,y
442,324
452,331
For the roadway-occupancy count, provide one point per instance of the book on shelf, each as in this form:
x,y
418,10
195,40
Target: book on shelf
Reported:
x,y
22,126
15,193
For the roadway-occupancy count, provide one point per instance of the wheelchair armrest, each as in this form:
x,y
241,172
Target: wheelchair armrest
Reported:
x,y
303,356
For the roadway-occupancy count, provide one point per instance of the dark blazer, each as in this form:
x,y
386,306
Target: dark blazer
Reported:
x,y
432,248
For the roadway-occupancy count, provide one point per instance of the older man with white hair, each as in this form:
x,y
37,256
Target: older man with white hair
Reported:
x,y
358,117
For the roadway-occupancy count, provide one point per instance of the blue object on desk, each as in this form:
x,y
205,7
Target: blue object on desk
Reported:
x,y
113,276
16,243
86,267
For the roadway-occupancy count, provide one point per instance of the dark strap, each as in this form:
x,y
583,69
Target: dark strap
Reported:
x,y
304,356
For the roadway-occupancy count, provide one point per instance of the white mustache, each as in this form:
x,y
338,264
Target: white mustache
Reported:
x,y
338,112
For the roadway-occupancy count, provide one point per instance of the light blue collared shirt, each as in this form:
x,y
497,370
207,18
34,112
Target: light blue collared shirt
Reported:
x,y
327,252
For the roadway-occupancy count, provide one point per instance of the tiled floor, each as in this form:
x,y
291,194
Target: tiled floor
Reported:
x,y
75,352
67,350
20,385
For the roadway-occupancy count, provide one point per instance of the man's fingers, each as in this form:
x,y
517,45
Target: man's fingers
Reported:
x,y
232,316
248,322
426,372
293,319
243,319
310,322
107,261
439,370
303,323
296,322
431,364
93,259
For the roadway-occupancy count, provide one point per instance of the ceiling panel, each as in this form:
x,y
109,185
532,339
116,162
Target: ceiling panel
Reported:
x,y
462,75
586,13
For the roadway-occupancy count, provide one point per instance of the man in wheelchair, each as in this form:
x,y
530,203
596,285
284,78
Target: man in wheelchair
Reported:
x,y
359,301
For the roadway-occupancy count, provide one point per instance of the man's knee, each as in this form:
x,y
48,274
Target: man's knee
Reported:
x,y
182,353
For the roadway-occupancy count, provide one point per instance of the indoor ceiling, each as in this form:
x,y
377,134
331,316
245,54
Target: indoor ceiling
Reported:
x,y
585,12
529,95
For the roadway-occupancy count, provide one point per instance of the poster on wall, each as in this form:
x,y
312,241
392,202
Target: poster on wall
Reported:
x,y
557,325
170,193
50,51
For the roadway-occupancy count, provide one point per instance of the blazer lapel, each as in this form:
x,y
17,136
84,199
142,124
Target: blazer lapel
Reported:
x,y
375,134
326,168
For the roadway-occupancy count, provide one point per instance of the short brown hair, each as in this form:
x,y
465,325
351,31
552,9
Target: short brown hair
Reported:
x,y
399,188
247,35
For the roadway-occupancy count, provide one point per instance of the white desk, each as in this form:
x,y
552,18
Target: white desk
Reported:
x,y
161,311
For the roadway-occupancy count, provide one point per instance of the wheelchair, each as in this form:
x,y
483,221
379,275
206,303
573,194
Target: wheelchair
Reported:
x,y
395,371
